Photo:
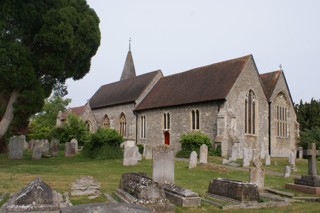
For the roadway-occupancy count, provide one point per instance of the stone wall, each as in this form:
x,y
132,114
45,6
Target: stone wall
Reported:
x,y
282,146
180,122
114,113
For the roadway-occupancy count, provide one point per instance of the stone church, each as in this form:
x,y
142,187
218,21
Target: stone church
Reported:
x,y
229,101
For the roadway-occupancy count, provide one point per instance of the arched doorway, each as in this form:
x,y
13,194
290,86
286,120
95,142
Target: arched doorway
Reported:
x,y
167,137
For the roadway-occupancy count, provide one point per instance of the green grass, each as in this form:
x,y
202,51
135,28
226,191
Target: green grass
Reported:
x,y
60,172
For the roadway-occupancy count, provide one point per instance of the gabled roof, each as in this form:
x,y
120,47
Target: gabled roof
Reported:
x,y
122,92
269,81
128,68
207,83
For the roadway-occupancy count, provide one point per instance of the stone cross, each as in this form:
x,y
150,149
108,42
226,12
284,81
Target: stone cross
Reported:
x,y
312,153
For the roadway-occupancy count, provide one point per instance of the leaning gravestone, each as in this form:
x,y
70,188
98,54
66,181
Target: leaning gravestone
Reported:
x,y
139,189
203,154
54,147
131,155
76,145
257,174
37,196
16,147
163,164
193,159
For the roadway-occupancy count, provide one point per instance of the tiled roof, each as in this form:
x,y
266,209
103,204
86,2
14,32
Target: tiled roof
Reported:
x,y
269,81
121,92
208,83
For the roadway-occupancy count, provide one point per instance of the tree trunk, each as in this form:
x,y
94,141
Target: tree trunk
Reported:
x,y
8,115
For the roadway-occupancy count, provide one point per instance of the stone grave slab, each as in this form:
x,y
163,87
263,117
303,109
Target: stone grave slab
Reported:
x,y
237,190
181,196
85,185
106,208
139,189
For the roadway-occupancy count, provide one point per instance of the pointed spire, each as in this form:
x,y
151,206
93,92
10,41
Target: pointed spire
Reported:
x,y
128,69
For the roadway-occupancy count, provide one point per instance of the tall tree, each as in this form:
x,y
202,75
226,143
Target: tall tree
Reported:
x,y
308,114
42,43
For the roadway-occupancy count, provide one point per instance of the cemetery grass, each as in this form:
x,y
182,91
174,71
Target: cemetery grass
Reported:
x,y
60,172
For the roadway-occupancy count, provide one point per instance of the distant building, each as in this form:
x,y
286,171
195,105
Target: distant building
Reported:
x,y
229,101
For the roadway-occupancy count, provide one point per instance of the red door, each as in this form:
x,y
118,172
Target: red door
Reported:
x,y
167,138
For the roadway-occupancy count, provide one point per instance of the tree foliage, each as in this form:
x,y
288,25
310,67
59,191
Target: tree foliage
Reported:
x,y
308,114
44,122
42,43
310,136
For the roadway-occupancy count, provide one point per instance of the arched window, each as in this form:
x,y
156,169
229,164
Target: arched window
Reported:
x,y
123,123
143,127
195,121
88,125
106,121
166,121
281,105
250,113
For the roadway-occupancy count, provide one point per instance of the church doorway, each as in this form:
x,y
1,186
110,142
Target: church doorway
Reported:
x,y
167,138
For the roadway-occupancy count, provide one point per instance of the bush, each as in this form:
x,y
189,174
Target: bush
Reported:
x,y
141,148
192,141
104,144
217,151
310,136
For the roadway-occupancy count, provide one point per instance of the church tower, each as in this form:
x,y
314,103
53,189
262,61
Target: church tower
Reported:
x,y
128,69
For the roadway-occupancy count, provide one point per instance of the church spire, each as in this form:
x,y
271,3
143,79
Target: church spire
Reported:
x,y
128,69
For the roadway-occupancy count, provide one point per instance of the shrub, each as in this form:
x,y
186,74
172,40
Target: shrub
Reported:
x,y
192,141
104,144
141,148
310,136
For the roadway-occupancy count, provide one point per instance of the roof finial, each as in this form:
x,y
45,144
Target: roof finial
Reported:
x,y
280,66
129,43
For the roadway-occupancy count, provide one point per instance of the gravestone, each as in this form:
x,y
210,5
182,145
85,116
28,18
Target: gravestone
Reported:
x,y
37,150
25,143
246,157
234,153
16,147
54,147
46,148
37,196
203,154
147,151
257,175
267,160
193,159
74,143
293,160
300,153
67,150
139,189
163,164
85,186
255,155
181,196
287,171
233,189
31,144
131,155
308,183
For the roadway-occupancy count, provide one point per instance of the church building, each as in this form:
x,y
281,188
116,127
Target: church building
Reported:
x,y
229,101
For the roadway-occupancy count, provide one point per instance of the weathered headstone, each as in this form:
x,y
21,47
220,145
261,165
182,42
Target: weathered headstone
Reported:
x,y
257,174
75,144
37,196
139,189
46,148
163,164
287,171
54,147
203,154
233,189
255,155
193,159
31,144
267,160
246,157
67,150
181,196
37,150
308,183
130,155
234,153
85,185
293,160
300,152
16,147
147,151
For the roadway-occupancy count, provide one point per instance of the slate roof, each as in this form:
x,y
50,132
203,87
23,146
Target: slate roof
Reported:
x,y
269,81
122,92
207,83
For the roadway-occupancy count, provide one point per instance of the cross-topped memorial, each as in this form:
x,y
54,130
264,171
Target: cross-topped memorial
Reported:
x,y
312,154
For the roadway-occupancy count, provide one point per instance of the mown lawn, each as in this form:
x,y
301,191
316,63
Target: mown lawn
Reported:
x,y
60,172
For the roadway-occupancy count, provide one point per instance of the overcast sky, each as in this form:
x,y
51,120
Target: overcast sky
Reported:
x,y
178,35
